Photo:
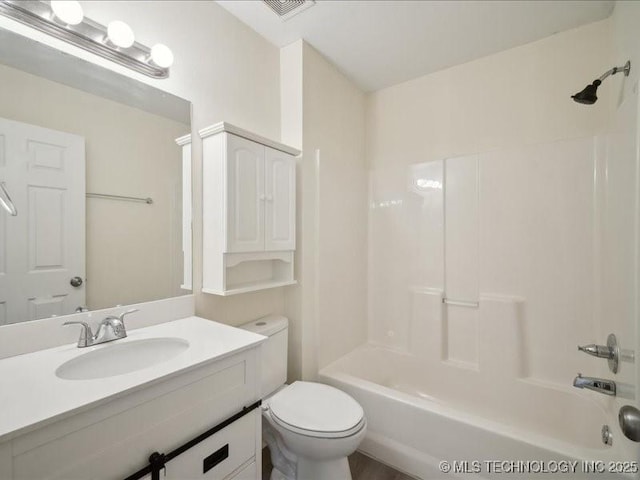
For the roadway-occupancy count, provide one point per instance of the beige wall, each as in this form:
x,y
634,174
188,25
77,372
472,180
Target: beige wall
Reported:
x,y
128,152
626,41
519,96
229,73
334,127
301,299
328,309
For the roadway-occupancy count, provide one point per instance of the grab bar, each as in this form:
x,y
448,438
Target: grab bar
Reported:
x,y
147,200
6,202
460,303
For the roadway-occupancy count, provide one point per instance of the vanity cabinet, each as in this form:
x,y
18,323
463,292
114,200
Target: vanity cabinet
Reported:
x,y
114,440
249,210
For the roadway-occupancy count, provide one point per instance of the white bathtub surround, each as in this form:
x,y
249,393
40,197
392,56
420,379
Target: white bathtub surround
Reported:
x,y
501,236
532,249
27,337
506,237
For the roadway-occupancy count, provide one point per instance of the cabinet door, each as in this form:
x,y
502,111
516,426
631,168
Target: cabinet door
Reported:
x,y
280,206
219,456
245,195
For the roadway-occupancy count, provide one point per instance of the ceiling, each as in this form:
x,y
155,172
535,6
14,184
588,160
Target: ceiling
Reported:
x,y
379,43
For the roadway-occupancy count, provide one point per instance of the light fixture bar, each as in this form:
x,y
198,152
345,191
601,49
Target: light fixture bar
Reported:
x,y
88,35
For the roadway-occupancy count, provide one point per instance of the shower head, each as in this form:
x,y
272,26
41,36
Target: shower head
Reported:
x,y
588,96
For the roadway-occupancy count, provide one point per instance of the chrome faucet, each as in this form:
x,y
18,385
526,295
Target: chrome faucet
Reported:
x,y
111,328
608,387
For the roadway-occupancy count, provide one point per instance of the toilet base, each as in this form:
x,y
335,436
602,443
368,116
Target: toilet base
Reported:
x,y
289,466
327,470
277,475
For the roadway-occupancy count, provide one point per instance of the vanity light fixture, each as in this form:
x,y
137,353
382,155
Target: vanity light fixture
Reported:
x,y
70,12
65,21
120,34
161,55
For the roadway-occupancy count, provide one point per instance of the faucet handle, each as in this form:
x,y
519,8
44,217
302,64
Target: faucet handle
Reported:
x,y
600,351
610,351
123,314
85,334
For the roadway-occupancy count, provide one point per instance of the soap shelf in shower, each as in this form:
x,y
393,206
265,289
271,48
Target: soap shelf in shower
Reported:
x,y
460,303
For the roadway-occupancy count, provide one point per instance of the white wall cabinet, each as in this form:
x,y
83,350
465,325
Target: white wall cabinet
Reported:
x,y
249,209
280,201
245,194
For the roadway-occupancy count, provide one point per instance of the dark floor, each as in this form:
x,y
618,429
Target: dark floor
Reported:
x,y
362,468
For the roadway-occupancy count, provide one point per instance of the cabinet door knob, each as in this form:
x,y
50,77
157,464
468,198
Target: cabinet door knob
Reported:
x,y
262,197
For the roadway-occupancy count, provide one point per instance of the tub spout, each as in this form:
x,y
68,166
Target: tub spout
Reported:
x,y
607,387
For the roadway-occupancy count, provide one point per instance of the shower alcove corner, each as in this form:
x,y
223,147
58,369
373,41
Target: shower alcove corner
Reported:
x,y
249,211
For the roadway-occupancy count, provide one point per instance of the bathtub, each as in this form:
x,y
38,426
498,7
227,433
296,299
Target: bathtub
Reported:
x,y
539,430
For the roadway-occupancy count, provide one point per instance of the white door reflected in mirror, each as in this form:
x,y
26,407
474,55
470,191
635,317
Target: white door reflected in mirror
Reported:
x,y
44,246
94,147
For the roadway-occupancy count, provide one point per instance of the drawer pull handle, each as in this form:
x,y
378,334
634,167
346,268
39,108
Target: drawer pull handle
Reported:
x,y
215,458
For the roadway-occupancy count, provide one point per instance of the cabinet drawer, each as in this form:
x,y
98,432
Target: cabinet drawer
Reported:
x,y
250,472
220,455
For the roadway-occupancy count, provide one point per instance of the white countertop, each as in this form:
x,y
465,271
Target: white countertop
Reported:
x,y
31,394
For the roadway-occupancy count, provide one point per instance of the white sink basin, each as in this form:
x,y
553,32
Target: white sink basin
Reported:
x,y
120,358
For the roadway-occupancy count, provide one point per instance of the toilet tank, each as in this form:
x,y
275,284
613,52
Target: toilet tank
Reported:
x,y
274,351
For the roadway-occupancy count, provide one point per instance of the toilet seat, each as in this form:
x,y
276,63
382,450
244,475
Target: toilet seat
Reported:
x,y
316,410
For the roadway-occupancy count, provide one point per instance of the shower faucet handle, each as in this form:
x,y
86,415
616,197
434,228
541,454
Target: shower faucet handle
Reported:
x,y
600,351
610,351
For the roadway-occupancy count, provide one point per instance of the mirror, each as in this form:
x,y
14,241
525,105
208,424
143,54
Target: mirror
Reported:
x,y
90,185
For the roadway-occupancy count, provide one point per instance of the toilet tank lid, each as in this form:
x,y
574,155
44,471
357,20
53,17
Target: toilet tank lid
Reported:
x,y
267,326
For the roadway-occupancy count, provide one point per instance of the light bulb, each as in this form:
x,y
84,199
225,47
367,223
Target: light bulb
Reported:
x,y
161,55
120,34
70,12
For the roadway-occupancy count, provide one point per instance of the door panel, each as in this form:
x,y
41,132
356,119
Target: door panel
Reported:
x,y
46,223
44,307
280,207
42,247
245,232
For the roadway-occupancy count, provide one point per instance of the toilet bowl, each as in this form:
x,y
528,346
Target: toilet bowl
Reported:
x,y
310,428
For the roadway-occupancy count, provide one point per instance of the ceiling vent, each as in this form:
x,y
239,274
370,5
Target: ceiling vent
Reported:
x,y
287,9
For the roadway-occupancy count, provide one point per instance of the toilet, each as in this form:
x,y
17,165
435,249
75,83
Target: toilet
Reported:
x,y
310,428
